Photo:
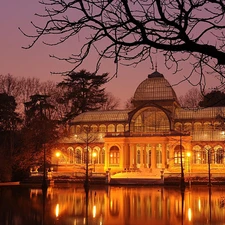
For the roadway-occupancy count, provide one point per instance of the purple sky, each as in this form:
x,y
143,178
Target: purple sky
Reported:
x,y
36,62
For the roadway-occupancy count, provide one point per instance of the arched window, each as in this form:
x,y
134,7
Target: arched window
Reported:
x,y
72,129
95,155
94,128
102,128
111,128
78,129
151,120
78,156
177,154
206,154
200,155
70,156
197,126
187,127
120,128
178,126
114,155
218,155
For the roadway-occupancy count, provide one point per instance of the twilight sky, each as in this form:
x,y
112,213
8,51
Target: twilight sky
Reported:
x,y
36,62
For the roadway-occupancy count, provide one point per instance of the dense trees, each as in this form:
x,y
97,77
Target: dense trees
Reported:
x,y
83,92
9,121
48,107
111,103
130,32
22,88
194,99
40,131
213,99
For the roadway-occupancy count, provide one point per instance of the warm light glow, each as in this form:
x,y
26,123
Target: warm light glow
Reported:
x,y
57,210
94,211
189,214
94,154
57,154
199,204
188,154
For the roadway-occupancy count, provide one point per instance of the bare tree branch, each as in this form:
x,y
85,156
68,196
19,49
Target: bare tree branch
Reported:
x,y
129,32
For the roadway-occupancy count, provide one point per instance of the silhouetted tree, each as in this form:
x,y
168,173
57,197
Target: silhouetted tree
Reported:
x,y
9,121
129,103
191,99
39,132
213,99
111,102
130,32
83,92
22,88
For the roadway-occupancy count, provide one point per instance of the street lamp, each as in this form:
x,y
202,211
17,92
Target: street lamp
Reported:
x,y
58,154
94,156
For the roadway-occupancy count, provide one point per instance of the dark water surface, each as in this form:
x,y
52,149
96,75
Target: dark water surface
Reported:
x,y
71,205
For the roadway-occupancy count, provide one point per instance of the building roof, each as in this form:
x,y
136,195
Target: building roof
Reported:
x,y
102,116
200,113
155,87
122,115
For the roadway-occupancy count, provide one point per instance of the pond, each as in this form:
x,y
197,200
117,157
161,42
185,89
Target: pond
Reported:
x,y
69,204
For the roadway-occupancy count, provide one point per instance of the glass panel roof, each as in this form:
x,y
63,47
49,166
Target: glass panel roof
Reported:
x,y
102,116
154,88
122,115
201,113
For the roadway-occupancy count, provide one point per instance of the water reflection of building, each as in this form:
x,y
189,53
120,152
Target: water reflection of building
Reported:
x,y
114,205
150,137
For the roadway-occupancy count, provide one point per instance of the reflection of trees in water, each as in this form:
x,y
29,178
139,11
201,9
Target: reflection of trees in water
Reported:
x,y
16,207
141,205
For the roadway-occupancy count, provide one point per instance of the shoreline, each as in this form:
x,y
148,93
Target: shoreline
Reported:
x,y
10,183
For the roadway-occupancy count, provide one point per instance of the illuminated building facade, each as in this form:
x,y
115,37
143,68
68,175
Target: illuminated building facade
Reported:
x,y
153,136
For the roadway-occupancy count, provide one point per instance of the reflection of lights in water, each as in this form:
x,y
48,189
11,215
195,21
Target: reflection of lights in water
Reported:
x,y
94,211
189,214
100,222
57,210
199,204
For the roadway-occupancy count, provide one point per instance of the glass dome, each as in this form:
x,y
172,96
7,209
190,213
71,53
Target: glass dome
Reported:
x,y
155,87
